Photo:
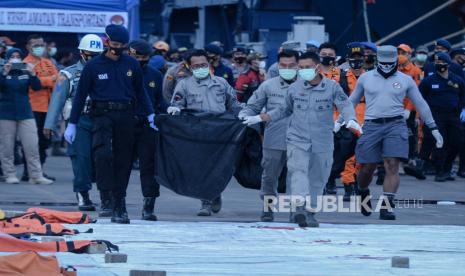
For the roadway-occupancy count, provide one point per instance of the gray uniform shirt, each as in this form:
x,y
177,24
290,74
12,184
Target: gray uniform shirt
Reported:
x,y
212,94
311,114
64,89
385,97
273,71
270,95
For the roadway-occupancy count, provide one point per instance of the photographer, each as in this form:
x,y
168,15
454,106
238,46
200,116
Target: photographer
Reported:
x,y
16,118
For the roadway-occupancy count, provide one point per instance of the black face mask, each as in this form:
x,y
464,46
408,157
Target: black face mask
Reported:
x,y
143,63
387,69
239,60
441,68
85,58
326,61
370,59
116,51
356,63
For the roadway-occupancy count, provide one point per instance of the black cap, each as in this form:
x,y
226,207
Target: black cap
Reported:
x,y
117,33
140,47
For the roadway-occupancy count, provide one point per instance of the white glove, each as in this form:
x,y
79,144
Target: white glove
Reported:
x,y
173,110
438,138
337,126
355,126
151,119
70,133
252,120
406,114
241,116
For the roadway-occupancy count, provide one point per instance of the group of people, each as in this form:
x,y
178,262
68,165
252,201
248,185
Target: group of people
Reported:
x,y
325,116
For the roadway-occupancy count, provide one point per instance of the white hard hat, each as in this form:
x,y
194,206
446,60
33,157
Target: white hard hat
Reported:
x,y
91,43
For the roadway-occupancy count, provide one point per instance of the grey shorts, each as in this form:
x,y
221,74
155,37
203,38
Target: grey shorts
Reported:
x,y
382,140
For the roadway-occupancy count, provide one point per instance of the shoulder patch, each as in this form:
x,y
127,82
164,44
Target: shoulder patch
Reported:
x,y
169,77
152,84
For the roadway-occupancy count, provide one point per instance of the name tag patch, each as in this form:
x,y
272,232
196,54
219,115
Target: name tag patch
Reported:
x,y
435,86
103,76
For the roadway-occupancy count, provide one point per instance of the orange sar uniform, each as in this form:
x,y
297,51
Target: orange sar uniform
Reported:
x,y
47,74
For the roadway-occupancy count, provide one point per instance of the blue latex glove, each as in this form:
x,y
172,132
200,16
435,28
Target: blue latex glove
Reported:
x,y
151,118
70,133
462,115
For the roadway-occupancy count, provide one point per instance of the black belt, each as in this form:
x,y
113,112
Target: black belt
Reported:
x,y
112,105
384,120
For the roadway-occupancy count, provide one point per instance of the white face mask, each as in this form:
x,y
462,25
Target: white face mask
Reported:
x,y
15,60
262,64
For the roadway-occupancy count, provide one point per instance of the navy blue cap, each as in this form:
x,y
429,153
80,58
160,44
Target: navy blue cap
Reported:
x,y
117,33
444,57
444,43
13,50
457,51
140,47
214,49
355,48
370,45
240,49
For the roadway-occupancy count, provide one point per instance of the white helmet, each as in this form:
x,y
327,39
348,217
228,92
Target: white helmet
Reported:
x,y
91,43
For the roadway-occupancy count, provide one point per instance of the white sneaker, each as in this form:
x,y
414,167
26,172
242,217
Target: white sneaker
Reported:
x,y
12,180
41,181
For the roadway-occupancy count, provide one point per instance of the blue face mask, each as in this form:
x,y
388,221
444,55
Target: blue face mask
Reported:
x,y
307,74
38,51
201,73
287,74
421,57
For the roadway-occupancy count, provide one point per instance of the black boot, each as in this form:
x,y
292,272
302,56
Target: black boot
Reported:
x,y
387,212
330,188
216,204
149,206
49,177
349,190
57,150
106,206
364,194
120,215
415,170
84,202
441,177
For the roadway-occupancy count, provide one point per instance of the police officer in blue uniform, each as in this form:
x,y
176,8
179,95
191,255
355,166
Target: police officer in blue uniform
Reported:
x,y
114,83
145,135
80,151
214,53
444,92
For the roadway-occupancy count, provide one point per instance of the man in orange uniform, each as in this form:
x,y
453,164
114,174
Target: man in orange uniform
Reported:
x,y
345,140
329,69
407,67
47,74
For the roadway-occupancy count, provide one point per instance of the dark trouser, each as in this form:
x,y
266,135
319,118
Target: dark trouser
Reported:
x,y
451,130
462,151
113,144
145,150
344,148
80,152
44,142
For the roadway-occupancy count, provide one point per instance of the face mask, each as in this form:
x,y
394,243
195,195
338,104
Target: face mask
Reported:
x,y
116,51
441,68
262,64
356,63
421,57
8,47
52,51
38,51
370,59
239,59
307,74
15,60
327,60
287,74
201,73
86,58
387,69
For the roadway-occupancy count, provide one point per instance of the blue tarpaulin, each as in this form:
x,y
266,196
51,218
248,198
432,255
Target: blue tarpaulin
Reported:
x,y
130,6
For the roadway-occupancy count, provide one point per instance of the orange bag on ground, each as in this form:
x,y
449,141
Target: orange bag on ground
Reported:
x,y
53,216
31,263
9,243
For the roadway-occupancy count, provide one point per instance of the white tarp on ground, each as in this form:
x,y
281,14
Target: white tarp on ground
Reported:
x,y
204,248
